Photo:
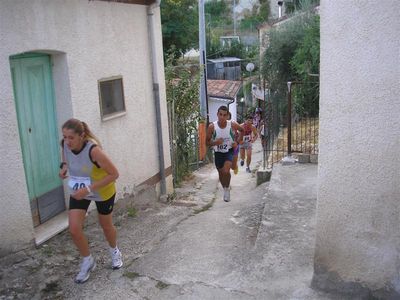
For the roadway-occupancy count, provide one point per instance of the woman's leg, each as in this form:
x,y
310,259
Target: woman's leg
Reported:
x,y
76,218
109,230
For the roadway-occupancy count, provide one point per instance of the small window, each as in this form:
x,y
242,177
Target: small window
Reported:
x,y
112,100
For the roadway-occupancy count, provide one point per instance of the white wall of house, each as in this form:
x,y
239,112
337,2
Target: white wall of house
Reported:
x,y
88,41
274,9
215,103
358,206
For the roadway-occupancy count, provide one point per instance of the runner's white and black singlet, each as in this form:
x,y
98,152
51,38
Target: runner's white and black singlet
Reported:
x,y
225,133
83,172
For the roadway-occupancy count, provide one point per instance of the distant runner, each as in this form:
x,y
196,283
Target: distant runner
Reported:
x,y
235,147
249,137
220,135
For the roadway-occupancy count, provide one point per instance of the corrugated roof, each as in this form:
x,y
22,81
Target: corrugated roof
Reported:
x,y
223,88
140,2
224,59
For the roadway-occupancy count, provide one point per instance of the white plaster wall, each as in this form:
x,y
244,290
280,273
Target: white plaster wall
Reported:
x,y
358,182
274,9
88,41
214,104
15,217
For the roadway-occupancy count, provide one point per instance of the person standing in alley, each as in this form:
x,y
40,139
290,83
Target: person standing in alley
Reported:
x,y
249,137
91,177
235,147
220,135
257,118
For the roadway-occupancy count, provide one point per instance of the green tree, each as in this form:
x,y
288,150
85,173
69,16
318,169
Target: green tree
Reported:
x,y
305,63
258,15
296,5
283,42
179,20
292,55
217,13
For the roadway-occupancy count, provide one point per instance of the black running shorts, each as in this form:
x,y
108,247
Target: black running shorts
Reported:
x,y
220,158
103,207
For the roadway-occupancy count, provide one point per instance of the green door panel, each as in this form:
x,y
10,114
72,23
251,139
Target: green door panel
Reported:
x,y
42,130
34,97
22,126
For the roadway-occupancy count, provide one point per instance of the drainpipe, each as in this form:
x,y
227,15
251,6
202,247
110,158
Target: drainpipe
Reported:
x,y
280,3
289,119
156,94
230,102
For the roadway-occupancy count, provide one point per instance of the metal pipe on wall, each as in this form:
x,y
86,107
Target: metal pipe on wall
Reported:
x,y
156,95
289,119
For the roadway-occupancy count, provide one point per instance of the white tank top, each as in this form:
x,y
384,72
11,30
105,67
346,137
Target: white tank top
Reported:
x,y
225,133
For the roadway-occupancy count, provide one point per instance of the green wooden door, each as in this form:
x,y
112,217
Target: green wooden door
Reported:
x,y
34,99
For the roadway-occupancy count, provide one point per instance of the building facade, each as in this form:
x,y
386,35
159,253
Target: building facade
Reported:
x,y
358,208
98,61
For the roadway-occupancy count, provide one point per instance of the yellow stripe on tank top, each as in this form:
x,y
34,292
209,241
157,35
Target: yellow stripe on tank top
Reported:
x,y
105,192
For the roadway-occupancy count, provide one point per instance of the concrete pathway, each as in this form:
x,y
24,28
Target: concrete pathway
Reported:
x,y
258,246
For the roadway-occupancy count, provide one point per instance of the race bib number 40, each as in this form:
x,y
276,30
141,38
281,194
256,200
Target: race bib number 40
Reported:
x,y
75,182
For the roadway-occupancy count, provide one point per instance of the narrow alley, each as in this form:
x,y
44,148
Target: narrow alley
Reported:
x,y
258,246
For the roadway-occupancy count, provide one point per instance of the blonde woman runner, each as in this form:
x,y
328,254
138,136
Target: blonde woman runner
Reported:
x,y
91,177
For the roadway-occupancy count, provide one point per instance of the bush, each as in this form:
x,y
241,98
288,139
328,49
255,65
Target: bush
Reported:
x,y
183,102
292,55
305,63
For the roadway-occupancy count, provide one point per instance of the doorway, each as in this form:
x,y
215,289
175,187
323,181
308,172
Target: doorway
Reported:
x,y
37,124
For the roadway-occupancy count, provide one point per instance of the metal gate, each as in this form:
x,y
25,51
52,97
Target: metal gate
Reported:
x,y
289,129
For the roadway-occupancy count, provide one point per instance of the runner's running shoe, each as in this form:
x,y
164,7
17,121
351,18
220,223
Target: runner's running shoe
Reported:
x,y
116,258
88,264
227,194
236,170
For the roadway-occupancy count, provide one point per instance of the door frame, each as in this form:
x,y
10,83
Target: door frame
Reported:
x,y
58,192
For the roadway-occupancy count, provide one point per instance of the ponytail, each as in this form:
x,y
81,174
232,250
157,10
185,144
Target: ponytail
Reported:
x,y
89,134
80,128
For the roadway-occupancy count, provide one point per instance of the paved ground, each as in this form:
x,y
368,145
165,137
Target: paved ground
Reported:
x,y
258,246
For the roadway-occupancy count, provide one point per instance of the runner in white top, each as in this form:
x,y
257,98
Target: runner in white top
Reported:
x,y
220,136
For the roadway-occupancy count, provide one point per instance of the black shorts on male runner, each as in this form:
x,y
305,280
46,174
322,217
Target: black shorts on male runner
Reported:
x,y
220,158
103,207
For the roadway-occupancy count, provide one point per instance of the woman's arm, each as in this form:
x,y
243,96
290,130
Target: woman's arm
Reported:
x,y
105,163
63,167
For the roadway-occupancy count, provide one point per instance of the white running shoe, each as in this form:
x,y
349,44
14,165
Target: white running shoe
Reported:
x,y
87,265
116,258
227,194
